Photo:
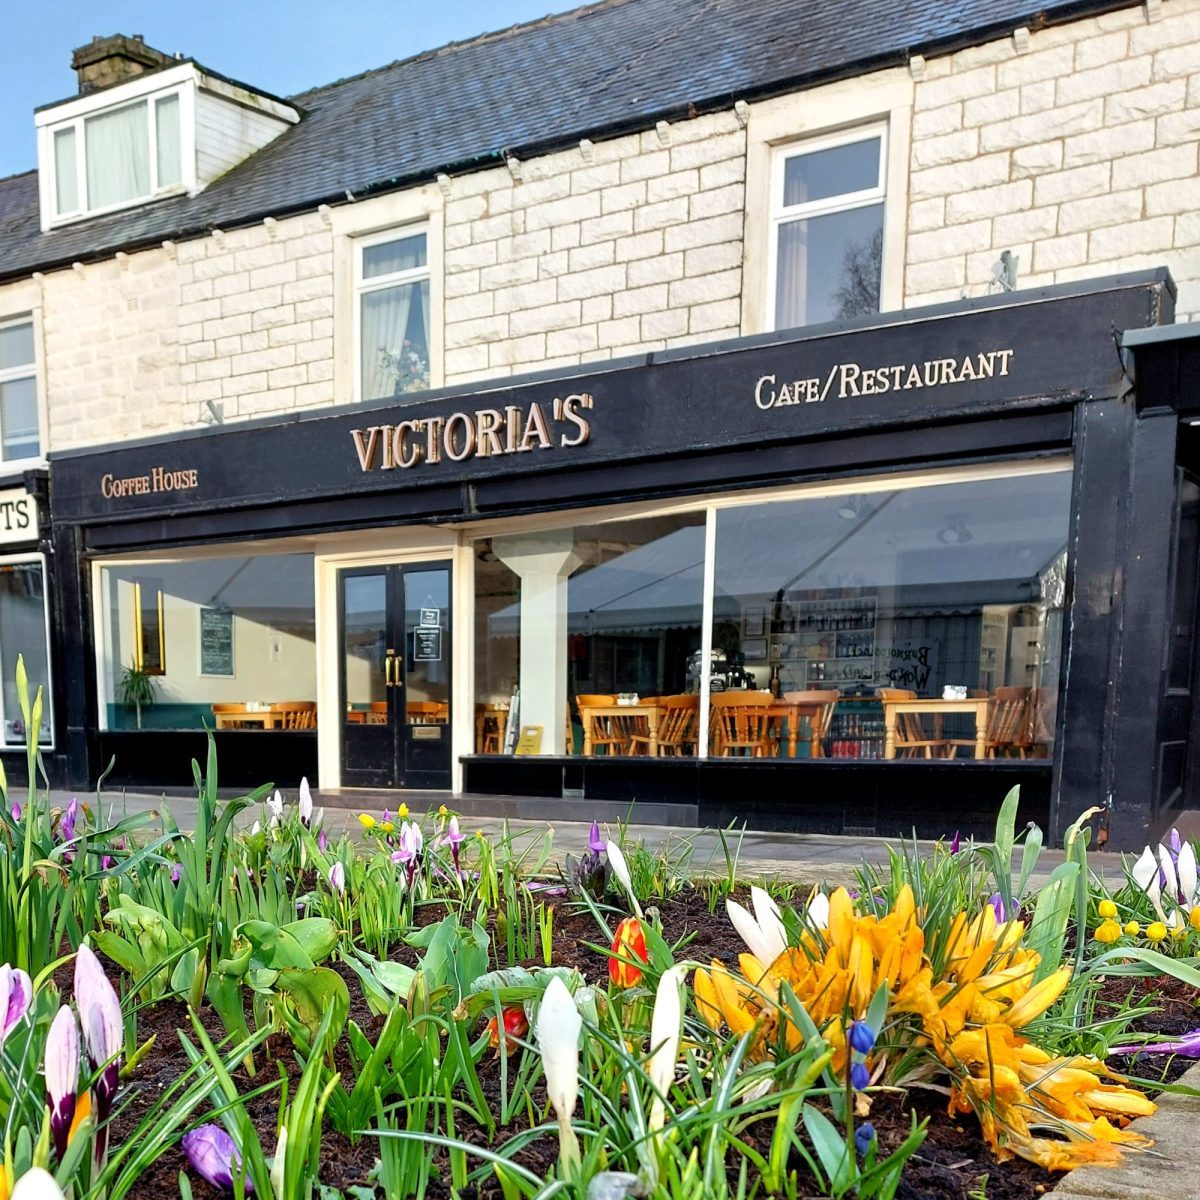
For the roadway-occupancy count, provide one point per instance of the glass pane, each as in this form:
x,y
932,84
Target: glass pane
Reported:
x,y
166,127
427,646
395,340
23,631
921,589
16,345
598,611
366,646
118,156
66,182
386,258
828,267
19,419
237,648
833,172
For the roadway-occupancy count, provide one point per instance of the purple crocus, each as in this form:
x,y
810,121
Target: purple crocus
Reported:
x,y
16,811
176,872
322,841
1188,1045
337,878
103,1035
411,845
955,844
214,1157
62,1075
453,838
66,825
997,903
16,992
596,843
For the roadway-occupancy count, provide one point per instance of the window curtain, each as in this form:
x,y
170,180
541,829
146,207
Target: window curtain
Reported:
x,y
384,325
791,276
166,118
118,156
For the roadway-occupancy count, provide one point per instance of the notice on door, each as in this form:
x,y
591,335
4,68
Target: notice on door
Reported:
x,y
427,644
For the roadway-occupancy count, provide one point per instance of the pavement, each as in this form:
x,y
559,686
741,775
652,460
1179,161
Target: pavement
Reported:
x,y
800,857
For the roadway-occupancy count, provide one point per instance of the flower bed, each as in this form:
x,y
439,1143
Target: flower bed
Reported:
x,y
424,1013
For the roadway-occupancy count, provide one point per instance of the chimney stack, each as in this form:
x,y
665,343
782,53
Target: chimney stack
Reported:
x,y
108,60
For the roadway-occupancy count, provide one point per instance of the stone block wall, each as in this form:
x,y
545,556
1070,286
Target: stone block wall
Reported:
x,y
1075,147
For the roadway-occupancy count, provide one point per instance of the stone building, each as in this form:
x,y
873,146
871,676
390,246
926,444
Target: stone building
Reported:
x,y
637,181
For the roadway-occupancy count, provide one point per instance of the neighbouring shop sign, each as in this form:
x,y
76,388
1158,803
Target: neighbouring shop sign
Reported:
x,y
18,516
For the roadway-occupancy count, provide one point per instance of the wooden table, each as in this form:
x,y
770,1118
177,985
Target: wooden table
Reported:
x,y
263,717
973,706
651,712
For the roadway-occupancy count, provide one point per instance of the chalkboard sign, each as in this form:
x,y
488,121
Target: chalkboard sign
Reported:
x,y
216,641
427,644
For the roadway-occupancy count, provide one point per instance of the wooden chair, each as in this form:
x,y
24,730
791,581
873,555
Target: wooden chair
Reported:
x,y
676,727
602,728
910,732
377,714
1010,724
427,712
225,716
295,714
490,720
741,724
817,706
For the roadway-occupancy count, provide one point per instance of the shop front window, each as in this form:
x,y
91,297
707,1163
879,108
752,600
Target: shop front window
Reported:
x,y
913,622
226,643
25,633
570,621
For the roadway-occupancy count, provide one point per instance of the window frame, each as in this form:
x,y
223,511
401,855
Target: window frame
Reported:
x,y
15,375
780,214
182,92
48,684
376,283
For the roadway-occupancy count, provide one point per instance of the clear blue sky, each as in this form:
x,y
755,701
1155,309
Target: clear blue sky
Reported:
x,y
282,47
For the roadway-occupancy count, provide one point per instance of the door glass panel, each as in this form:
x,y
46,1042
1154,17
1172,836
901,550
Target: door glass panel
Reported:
x,y
365,598
427,646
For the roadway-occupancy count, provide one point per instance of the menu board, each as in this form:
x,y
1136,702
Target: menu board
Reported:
x,y
427,644
216,641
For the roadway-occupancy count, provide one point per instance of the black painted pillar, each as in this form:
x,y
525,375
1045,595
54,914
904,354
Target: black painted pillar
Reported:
x,y
75,671
1119,608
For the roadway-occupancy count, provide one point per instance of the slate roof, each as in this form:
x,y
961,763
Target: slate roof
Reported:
x,y
596,71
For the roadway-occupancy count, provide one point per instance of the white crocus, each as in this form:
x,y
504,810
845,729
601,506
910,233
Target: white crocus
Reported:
x,y
818,911
279,1165
1186,869
665,1025
37,1184
557,1031
275,808
763,932
620,868
306,802
1145,875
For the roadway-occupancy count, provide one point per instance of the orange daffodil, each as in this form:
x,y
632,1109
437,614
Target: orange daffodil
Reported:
x,y
970,996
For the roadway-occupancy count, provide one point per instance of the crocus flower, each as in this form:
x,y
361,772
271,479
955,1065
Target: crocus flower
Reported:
x,y
452,839
665,1023
997,903
62,1075
306,804
558,1028
16,811
214,1157
402,811
764,932
1188,1045
411,844
37,1184
103,1034
176,872
322,841
337,878
515,1024
66,827
595,841
629,942
16,992
955,844
275,808
366,821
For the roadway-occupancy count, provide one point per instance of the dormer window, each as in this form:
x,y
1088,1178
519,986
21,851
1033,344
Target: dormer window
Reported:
x,y
121,155
145,126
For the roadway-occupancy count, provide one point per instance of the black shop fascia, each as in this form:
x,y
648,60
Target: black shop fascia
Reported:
x,y
975,503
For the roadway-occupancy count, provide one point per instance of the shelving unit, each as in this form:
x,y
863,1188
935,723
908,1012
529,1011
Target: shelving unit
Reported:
x,y
825,643
857,729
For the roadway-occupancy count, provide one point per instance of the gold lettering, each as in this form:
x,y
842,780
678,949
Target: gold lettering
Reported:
x,y
468,437
986,367
535,429
758,392
1004,356
433,438
489,420
385,437
571,406
967,370
405,455
367,450
512,429
849,385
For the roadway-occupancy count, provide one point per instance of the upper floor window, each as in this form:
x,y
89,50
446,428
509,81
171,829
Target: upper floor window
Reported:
x,y
18,391
391,277
827,221
131,152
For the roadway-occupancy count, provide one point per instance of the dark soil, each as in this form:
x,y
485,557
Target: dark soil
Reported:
x,y
952,1163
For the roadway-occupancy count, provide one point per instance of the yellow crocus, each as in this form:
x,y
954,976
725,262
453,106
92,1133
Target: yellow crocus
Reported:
x,y
402,812
1194,917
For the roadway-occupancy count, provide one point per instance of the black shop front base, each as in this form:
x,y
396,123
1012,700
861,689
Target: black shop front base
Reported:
x,y
868,799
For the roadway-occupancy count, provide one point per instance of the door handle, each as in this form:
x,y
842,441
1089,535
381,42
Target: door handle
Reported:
x,y
388,662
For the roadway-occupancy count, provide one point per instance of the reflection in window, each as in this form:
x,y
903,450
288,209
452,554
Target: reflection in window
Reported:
x,y
238,635
23,632
919,589
612,610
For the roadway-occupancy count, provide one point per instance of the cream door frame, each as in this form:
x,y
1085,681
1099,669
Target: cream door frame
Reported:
x,y
418,545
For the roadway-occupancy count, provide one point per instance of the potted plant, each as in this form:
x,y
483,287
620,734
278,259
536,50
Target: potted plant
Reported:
x,y
137,689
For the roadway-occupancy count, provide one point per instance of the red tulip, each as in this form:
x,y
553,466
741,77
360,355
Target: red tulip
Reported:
x,y
516,1025
628,943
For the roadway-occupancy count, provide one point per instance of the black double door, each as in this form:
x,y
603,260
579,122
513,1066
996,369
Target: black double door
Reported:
x,y
395,664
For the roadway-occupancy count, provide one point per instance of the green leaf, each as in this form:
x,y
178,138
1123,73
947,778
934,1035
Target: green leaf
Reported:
x,y
316,936
830,1147
273,948
316,993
